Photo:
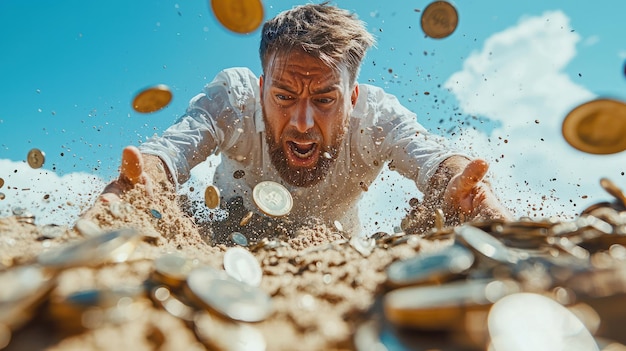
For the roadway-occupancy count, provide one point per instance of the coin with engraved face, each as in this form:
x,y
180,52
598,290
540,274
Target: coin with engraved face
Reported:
x,y
597,127
239,16
36,158
272,198
152,99
439,19
212,197
240,264
228,296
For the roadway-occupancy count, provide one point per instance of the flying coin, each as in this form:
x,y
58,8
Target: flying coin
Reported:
x,y
239,16
230,297
597,127
240,264
272,198
152,99
541,322
1,182
36,158
239,238
439,19
212,197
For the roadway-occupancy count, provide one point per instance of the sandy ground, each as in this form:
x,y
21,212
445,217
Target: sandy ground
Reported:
x,y
325,292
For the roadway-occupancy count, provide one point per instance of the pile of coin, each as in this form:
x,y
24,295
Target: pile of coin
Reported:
x,y
495,268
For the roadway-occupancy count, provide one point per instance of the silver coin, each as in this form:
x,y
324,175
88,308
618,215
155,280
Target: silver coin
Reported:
x,y
230,297
432,266
114,246
240,264
272,198
363,245
239,238
541,322
172,268
484,243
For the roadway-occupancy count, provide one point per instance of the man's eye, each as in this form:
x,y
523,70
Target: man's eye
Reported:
x,y
325,100
284,97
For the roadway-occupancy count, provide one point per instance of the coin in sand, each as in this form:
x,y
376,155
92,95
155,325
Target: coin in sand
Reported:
x,y
36,158
212,197
152,99
272,198
240,264
230,297
172,269
597,127
439,19
239,16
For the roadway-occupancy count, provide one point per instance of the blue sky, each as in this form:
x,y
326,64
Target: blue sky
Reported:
x,y
70,69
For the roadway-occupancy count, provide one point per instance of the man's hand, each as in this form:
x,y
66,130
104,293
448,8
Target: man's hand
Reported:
x,y
132,172
470,196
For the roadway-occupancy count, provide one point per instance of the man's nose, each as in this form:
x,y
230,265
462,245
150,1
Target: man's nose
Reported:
x,y
303,117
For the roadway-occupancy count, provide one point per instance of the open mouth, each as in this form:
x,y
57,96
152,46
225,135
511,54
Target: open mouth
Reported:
x,y
302,154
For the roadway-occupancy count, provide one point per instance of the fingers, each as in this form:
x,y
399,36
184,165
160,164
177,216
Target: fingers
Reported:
x,y
473,173
132,165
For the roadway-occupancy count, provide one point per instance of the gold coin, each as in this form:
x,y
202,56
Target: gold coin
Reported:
x,y
1,182
239,16
212,197
36,158
152,99
597,127
272,198
439,19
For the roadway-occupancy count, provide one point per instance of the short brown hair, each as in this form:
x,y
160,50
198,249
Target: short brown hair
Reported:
x,y
333,35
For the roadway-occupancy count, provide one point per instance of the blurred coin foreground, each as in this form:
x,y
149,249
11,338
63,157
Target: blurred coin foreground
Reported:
x,y
527,321
597,127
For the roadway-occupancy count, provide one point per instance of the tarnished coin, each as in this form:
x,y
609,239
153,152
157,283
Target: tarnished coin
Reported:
x,y
240,264
597,127
484,243
239,238
272,198
239,16
113,246
36,158
212,197
443,307
172,269
230,297
430,267
152,99
541,322
439,19
1,182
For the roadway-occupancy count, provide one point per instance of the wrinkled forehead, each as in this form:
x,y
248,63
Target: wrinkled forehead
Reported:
x,y
298,62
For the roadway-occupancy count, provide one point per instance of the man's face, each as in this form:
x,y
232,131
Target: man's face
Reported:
x,y
306,109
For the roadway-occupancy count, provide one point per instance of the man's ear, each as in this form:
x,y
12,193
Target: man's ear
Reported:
x,y
261,85
355,95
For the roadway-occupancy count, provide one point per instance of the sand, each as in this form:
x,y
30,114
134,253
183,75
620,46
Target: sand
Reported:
x,y
321,288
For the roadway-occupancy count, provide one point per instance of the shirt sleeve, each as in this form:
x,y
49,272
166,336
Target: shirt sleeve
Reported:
x,y
213,122
398,138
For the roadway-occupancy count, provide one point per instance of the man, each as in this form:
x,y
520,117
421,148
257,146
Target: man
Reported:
x,y
307,124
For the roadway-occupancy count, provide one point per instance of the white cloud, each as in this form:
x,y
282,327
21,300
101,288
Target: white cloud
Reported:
x,y
518,79
50,197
